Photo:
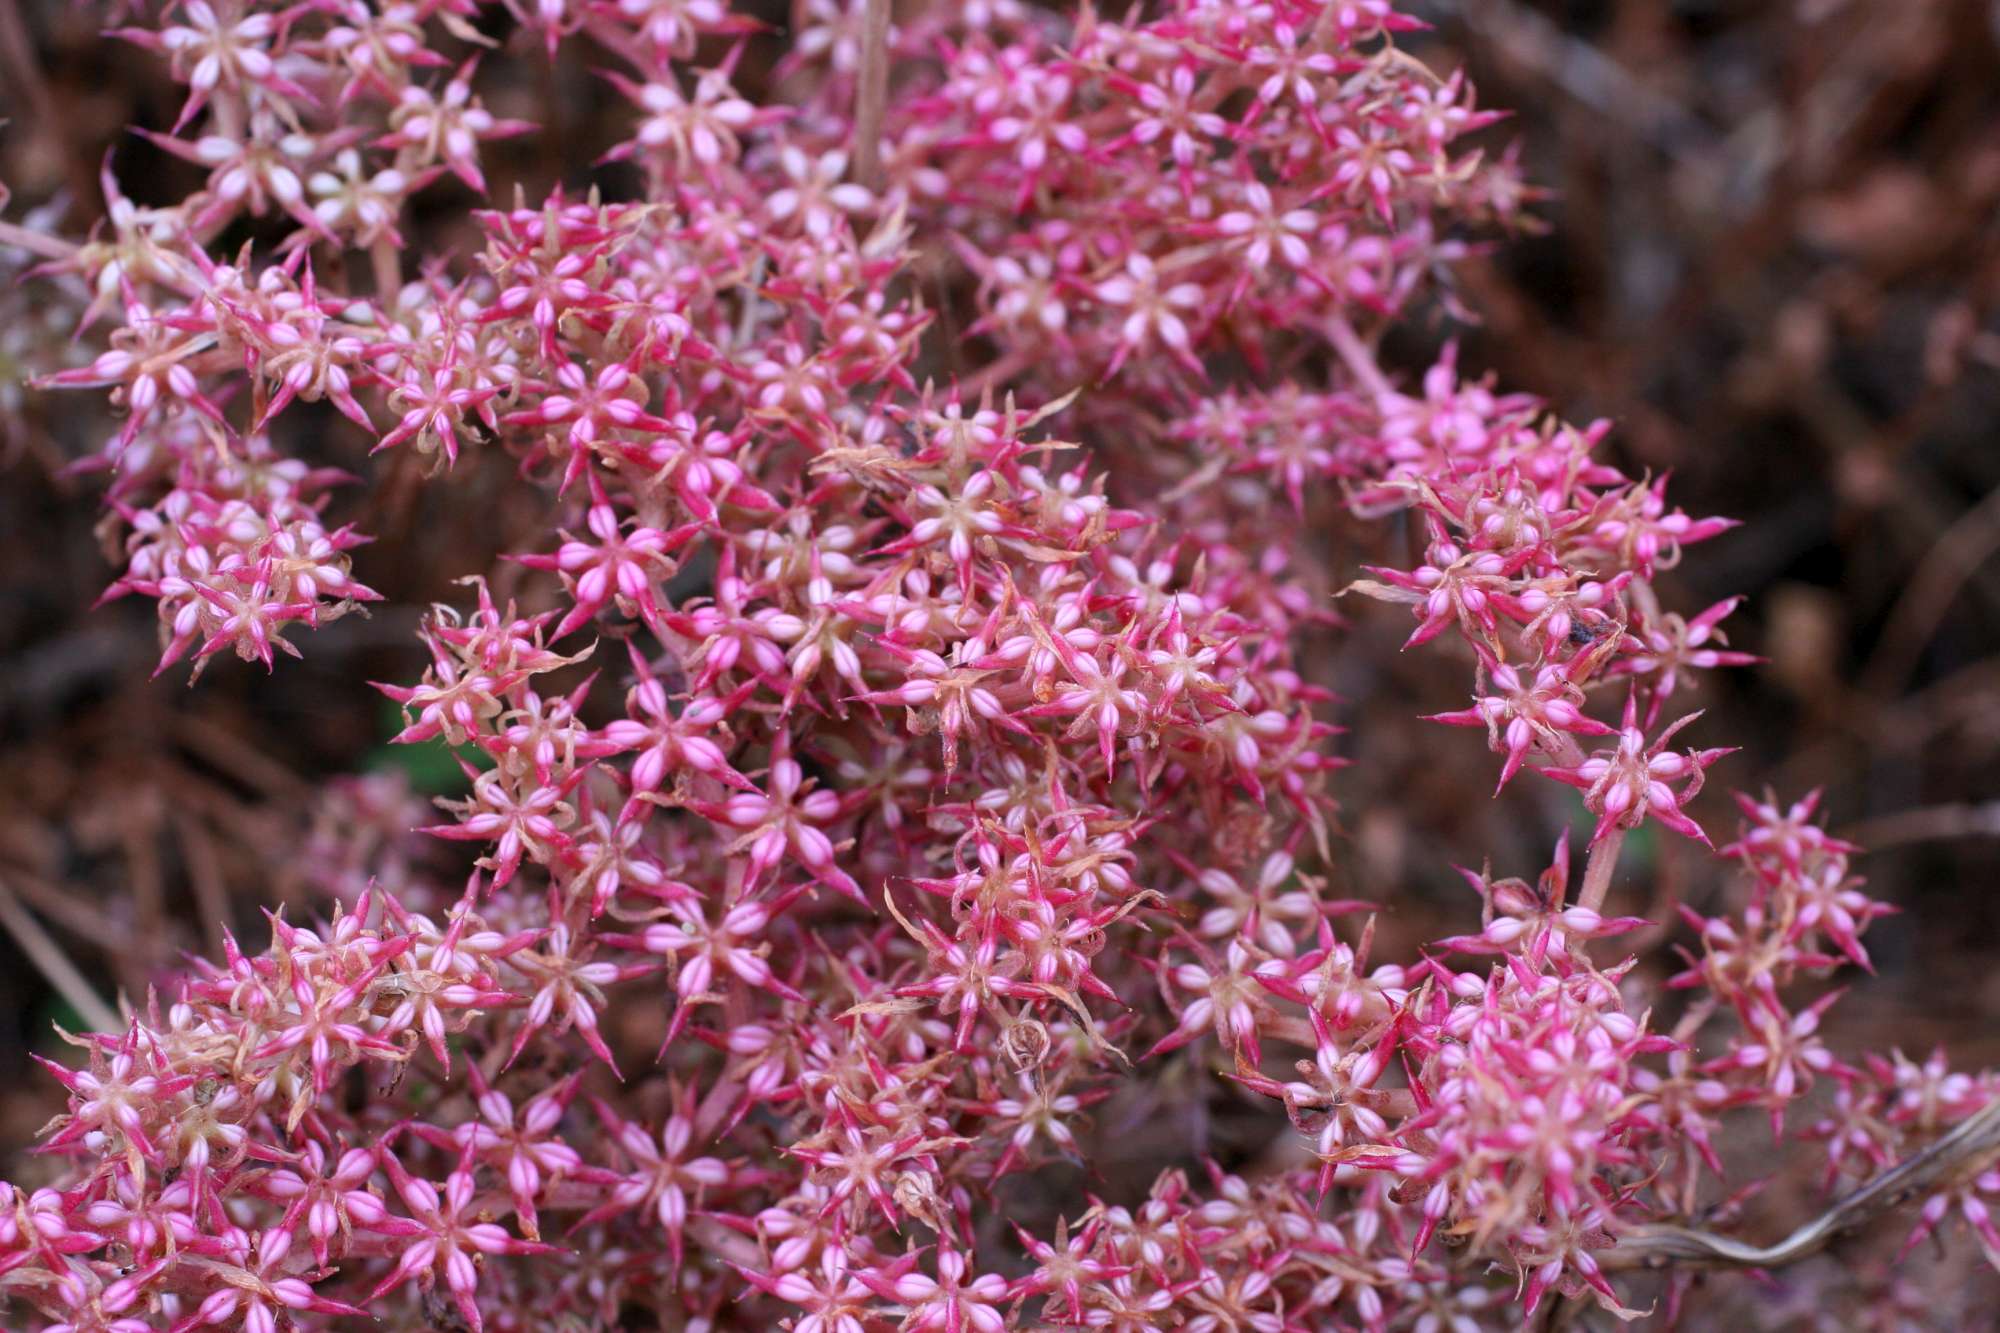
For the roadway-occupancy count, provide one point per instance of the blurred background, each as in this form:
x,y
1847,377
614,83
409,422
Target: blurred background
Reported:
x,y
1769,251
1771,256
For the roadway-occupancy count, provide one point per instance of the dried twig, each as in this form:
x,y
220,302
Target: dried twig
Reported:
x,y
23,66
54,965
1968,1149
236,757
204,868
1935,823
69,910
1954,559
872,97
1583,72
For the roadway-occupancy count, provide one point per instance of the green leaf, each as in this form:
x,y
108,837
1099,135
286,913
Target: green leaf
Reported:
x,y
430,766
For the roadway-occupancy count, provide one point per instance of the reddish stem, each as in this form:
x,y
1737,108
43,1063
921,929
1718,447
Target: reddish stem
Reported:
x,y
1597,874
1357,356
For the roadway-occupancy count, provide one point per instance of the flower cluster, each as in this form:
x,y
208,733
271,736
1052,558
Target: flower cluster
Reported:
x,y
902,730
